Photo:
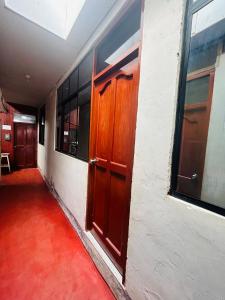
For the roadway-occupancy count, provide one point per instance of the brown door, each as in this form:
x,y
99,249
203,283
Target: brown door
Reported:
x,y
25,145
194,136
112,148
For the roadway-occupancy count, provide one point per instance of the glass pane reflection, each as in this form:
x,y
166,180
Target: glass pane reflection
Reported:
x,y
202,154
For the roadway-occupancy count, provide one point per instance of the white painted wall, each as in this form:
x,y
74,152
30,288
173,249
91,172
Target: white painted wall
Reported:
x,y
175,250
68,175
213,187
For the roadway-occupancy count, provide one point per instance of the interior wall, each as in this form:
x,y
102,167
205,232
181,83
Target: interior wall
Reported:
x,y
175,249
213,187
7,146
66,174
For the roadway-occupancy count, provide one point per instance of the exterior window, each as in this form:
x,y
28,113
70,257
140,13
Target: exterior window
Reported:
x,y
199,150
42,125
73,111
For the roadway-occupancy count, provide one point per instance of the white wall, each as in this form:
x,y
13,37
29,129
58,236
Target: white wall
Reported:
x,y
175,250
68,175
213,187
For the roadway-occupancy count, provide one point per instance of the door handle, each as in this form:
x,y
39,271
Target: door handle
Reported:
x,y
93,161
193,177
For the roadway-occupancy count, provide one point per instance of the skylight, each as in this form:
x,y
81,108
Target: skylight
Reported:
x,y
57,16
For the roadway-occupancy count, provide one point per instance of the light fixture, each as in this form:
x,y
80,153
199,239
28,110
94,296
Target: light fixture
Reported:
x,y
27,77
3,105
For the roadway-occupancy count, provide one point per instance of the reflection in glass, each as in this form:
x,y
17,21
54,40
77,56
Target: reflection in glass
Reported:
x,y
201,172
84,123
85,70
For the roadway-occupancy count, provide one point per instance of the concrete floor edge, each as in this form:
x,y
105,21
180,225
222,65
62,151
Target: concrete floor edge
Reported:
x,y
117,289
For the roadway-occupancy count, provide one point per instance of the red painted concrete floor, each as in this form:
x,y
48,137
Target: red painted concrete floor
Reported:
x,y
41,257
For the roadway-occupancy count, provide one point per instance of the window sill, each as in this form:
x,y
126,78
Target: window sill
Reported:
x,y
70,155
196,205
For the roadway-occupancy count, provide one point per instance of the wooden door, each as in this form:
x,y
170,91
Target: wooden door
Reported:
x,y
113,124
194,134
25,145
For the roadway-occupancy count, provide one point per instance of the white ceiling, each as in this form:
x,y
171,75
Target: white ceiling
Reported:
x,y
26,48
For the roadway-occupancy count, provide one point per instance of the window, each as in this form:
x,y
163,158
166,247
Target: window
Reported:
x,y
42,125
73,111
123,37
199,150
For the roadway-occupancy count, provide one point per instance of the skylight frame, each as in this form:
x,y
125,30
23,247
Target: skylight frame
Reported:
x,y
56,16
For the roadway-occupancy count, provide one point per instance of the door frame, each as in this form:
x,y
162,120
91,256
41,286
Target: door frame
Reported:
x,y
14,149
132,53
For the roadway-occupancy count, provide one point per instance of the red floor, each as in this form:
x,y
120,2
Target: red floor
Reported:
x,y
41,257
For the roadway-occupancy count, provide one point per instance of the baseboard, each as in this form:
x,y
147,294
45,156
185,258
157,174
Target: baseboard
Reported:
x,y
87,239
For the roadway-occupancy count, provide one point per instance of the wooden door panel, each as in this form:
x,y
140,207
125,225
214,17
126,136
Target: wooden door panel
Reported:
x,y
100,194
30,136
116,211
20,136
19,145
30,156
20,157
122,136
105,95
30,146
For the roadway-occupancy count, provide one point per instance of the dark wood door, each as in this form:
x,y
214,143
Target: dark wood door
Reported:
x,y
25,145
194,134
113,125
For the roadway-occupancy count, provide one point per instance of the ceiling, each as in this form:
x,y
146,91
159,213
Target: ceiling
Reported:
x,y
26,48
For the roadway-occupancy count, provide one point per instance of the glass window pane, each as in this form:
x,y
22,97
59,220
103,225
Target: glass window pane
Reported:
x,y
125,35
42,125
74,82
58,132
201,172
66,86
72,114
60,94
66,127
74,121
85,70
197,90
84,123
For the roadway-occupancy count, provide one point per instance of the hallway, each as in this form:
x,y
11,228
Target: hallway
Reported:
x,y
41,256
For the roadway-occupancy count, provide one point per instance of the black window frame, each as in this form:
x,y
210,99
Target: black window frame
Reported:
x,y
69,99
191,8
41,138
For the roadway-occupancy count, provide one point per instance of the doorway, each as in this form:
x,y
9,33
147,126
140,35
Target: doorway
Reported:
x,y
25,144
113,122
113,137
